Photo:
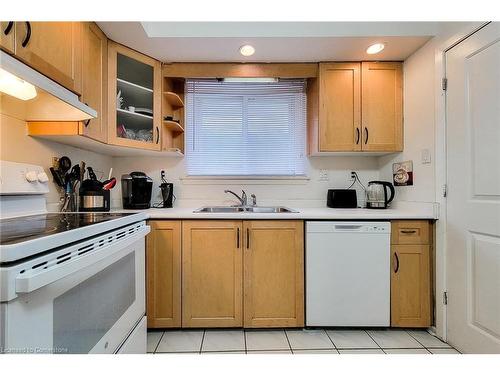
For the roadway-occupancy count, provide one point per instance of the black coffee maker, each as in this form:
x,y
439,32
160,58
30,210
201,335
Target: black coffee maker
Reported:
x,y
136,190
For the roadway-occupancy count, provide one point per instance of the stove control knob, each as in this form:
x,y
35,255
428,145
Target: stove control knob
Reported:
x,y
31,176
42,177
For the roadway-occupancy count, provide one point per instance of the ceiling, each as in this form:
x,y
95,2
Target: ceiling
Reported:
x,y
273,41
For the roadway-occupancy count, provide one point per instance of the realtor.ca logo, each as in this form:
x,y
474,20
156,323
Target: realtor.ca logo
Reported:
x,y
33,350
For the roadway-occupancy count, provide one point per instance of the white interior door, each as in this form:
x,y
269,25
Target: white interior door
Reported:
x,y
473,205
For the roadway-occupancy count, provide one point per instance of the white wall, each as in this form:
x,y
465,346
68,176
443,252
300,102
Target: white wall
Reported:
x,y
16,146
421,92
299,193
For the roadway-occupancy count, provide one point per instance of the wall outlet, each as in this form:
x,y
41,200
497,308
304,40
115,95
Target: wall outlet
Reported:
x,y
323,175
426,156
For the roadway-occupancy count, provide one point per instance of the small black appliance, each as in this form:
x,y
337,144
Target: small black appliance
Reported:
x,y
341,198
136,190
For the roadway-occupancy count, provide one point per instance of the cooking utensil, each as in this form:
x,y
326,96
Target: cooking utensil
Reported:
x,y
92,175
64,164
109,184
82,171
57,177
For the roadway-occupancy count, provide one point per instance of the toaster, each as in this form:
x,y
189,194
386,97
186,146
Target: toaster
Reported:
x,y
342,198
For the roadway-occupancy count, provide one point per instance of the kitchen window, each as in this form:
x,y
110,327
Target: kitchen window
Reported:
x,y
245,128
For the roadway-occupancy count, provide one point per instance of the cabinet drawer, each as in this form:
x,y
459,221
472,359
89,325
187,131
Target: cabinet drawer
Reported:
x,y
408,232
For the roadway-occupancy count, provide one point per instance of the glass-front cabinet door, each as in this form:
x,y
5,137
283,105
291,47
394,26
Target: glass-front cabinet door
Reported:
x,y
134,82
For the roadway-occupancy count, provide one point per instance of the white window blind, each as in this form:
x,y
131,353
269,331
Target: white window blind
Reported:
x,y
245,128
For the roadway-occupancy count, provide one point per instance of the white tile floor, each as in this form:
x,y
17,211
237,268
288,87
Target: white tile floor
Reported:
x,y
296,341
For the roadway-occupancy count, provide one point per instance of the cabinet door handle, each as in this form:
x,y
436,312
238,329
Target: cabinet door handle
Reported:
x,y
396,269
237,238
408,231
357,135
28,35
86,122
8,28
366,136
157,135
248,238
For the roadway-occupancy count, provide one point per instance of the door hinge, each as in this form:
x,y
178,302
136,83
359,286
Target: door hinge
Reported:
x,y
445,190
445,298
444,84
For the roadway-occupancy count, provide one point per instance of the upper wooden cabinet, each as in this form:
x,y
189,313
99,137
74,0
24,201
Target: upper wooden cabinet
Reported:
x,y
134,99
212,273
163,274
94,76
340,107
52,48
274,273
356,107
7,36
382,106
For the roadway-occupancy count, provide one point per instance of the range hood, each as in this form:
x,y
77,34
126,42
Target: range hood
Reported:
x,y
52,101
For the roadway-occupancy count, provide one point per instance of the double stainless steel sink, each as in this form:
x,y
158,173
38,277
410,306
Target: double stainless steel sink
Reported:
x,y
241,209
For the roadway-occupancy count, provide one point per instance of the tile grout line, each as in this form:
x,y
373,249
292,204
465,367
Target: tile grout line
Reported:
x,y
245,340
327,335
288,340
158,344
202,339
414,338
368,333
431,347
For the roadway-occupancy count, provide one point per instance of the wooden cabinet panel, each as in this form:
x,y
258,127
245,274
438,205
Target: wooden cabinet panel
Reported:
x,y
54,49
339,107
410,286
274,273
163,270
212,265
408,232
94,77
382,106
7,36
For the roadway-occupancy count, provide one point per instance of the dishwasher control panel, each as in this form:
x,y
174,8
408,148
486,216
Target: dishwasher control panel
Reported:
x,y
348,226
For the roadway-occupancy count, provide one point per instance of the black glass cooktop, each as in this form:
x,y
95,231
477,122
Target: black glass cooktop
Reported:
x,y
26,228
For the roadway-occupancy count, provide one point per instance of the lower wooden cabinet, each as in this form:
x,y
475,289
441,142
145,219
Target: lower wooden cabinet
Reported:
x,y
163,273
411,298
242,273
212,273
273,273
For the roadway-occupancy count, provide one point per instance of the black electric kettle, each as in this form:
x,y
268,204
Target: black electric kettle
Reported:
x,y
376,194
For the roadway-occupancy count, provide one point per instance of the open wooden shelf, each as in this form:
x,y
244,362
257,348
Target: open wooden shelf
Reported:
x,y
174,99
173,126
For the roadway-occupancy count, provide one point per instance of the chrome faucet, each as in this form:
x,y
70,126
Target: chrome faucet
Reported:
x,y
242,199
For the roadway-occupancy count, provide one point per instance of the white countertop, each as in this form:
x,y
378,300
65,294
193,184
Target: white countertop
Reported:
x,y
408,210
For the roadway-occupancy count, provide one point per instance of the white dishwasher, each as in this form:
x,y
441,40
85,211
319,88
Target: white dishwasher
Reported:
x,y
348,273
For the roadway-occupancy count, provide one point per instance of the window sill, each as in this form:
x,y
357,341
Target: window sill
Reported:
x,y
244,180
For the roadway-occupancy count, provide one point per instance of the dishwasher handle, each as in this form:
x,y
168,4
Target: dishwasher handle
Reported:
x,y
348,227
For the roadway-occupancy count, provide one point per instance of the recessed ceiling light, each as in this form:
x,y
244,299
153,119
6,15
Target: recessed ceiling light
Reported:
x,y
375,48
247,50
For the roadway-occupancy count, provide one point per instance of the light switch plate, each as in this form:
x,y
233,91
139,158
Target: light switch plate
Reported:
x,y
426,156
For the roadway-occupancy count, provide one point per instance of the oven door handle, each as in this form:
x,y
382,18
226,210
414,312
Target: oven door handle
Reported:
x,y
35,279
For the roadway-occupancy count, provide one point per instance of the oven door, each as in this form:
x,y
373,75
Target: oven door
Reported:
x,y
90,310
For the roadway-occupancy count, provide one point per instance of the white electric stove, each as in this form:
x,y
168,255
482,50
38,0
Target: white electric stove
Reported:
x,y
69,282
